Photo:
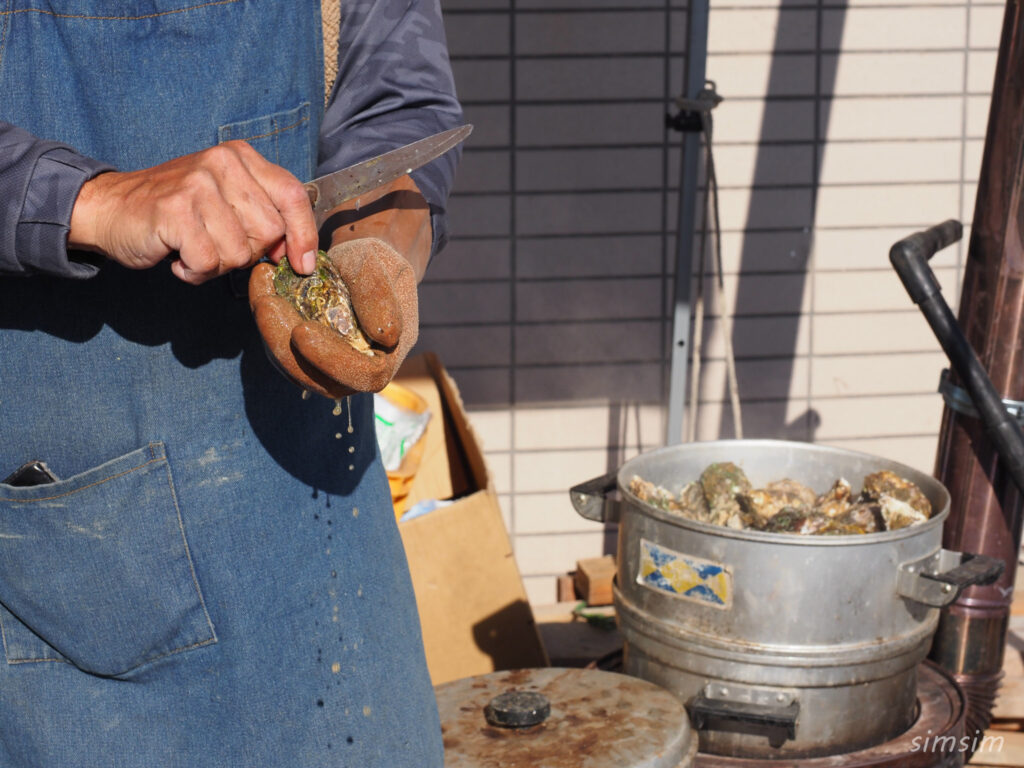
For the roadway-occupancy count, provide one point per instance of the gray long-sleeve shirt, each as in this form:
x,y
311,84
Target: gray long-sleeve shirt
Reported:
x,y
394,86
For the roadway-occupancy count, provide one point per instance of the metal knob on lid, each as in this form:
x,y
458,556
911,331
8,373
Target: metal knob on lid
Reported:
x,y
562,718
517,709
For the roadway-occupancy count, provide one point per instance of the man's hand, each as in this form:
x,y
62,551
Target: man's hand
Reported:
x,y
220,209
381,244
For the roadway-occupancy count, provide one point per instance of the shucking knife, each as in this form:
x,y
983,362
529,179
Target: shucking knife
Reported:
x,y
330,191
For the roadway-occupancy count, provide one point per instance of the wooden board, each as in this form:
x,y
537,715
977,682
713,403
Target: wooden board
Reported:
x,y
594,578
567,587
999,748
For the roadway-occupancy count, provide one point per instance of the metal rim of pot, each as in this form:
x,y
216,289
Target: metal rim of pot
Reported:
x,y
590,500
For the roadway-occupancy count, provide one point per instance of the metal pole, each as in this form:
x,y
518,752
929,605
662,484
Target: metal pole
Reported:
x,y
695,71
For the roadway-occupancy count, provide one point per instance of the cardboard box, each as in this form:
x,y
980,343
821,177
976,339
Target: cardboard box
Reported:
x,y
472,603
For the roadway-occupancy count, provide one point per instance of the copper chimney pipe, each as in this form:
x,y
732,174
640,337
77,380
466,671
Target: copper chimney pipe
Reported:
x,y
986,509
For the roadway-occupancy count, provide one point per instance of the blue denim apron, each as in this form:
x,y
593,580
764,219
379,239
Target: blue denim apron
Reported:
x,y
217,578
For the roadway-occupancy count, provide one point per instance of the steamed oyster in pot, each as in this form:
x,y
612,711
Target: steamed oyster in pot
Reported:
x,y
866,515
689,503
724,496
655,495
901,502
803,521
692,502
713,498
836,501
859,518
776,497
721,484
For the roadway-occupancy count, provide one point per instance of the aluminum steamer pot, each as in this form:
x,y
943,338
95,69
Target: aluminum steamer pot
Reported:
x,y
780,645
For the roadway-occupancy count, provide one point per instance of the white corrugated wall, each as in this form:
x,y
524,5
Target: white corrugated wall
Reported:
x,y
845,126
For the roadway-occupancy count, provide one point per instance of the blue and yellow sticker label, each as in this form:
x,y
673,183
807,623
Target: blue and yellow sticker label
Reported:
x,y
683,576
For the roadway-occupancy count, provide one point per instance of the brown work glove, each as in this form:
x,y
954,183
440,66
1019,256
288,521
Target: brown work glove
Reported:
x,y
367,251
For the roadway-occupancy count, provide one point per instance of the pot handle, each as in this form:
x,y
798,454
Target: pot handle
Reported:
x,y
590,499
780,715
939,579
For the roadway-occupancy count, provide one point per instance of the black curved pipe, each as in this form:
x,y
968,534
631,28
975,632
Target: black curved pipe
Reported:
x,y
910,259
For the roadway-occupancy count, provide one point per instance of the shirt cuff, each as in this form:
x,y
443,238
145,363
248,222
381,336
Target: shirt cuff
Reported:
x,y
42,231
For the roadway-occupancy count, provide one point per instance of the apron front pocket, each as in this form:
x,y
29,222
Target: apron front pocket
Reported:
x,y
95,570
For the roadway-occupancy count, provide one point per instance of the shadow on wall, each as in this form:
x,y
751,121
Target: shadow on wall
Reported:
x,y
496,636
556,287
779,224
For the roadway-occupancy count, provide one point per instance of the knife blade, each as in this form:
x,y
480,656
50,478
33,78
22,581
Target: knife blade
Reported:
x,y
330,191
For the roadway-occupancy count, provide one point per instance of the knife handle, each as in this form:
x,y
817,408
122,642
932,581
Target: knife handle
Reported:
x,y
313,193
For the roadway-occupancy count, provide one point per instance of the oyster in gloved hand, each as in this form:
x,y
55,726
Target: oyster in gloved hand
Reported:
x,y
344,329
323,297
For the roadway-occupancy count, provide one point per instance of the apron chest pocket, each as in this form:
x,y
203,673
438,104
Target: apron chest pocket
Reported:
x,y
96,571
283,138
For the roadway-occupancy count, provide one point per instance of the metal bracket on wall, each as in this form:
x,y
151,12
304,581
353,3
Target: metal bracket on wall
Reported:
x,y
690,115
959,399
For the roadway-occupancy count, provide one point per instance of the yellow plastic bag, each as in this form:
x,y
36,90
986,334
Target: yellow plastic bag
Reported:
x,y
400,480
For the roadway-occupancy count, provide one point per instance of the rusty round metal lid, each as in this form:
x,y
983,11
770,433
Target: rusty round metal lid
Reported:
x,y
568,717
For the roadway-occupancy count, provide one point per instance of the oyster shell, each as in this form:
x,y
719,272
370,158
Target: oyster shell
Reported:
x,y
866,516
836,501
901,502
723,496
722,483
814,523
802,521
899,514
693,504
322,297
794,488
776,496
652,494
689,504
